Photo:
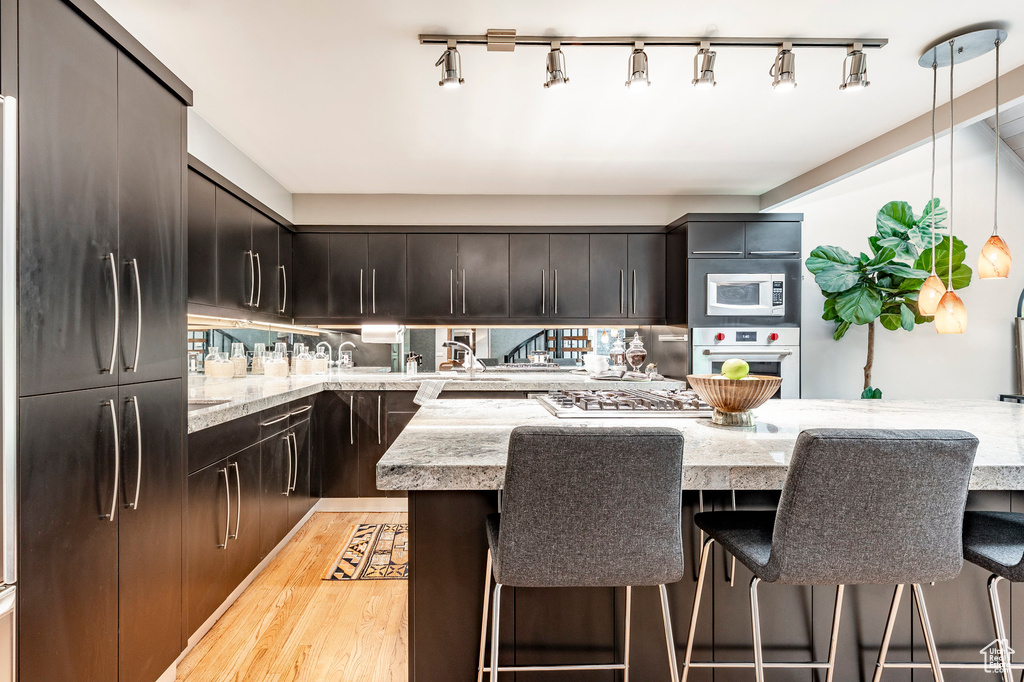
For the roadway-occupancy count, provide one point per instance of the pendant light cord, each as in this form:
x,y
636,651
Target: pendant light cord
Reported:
x,y
949,273
995,207
931,196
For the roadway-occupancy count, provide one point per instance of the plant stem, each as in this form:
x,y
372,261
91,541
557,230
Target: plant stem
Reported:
x,y
871,354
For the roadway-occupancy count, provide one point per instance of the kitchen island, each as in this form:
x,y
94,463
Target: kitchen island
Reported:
x,y
451,459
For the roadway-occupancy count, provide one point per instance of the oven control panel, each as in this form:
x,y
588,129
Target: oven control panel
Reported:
x,y
749,337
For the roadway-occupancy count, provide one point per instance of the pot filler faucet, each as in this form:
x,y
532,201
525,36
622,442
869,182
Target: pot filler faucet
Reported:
x,y
469,361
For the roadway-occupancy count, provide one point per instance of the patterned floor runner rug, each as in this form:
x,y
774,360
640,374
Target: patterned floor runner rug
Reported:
x,y
376,551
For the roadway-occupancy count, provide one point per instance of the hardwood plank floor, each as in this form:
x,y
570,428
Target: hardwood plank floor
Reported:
x,y
291,625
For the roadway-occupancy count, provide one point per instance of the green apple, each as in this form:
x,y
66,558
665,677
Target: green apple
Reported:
x,y
734,368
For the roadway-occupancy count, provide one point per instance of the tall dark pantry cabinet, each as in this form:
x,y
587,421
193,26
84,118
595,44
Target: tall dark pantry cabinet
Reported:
x,y
101,335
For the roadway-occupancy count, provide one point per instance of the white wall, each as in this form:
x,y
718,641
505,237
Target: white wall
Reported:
x,y
207,144
498,209
919,364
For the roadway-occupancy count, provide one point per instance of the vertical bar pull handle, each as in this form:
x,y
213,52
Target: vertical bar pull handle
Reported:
x,y
463,291
451,292
634,292
238,500
543,292
138,331
227,509
259,285
295,454
556,292
352,419
252,278
117,312
288,480
284,294
373,290
360,291
378,421
134,400
622,292
117,460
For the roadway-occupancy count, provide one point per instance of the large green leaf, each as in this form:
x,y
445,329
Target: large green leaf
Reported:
x,y
881,259
895,218
940,214
829,309
906,317
924,261
824,256
890,319
961,276
837,277
905,271
840,330
860,304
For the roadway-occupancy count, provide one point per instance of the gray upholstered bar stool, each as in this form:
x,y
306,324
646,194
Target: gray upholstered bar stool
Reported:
x,y
587,507
859,506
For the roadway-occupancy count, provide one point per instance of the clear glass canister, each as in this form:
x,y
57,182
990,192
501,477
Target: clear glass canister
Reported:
x,y
322,359
217,365
238,360
303,361
259,358
276,365
617,354
636,353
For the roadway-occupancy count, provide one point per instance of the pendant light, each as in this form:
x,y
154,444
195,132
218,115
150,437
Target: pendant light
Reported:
x,y
932,289
994,260
951,315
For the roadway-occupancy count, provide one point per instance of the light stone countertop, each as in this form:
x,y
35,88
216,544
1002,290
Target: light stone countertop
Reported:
x,y
258,393
462,445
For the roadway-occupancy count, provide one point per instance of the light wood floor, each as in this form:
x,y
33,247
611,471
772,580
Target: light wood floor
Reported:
x,y
291,625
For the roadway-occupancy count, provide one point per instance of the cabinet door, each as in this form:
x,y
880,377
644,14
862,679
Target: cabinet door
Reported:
x,y
276,461
372,435
772,240
236,266
67,584
483,275
339,447
149,129
608,265
284,273
349,280
714,240
432,259
264,248
149,540
386,260
647,276
68,201
300,498
206,543
529,276
202,240
570,275
310,259
244,542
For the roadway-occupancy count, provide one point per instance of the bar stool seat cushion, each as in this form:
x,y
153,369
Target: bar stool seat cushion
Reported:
x,y
995,541
747,535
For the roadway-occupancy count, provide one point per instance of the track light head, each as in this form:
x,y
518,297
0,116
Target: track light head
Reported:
x,y
638,77
783,71
554,76
451,67
856,78
704,67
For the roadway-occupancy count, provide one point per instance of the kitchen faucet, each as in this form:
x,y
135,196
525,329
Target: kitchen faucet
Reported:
x,y
469,362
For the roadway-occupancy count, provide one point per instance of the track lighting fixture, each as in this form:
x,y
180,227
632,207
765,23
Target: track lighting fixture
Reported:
x,y
704,67
451,67
783,70
638,76
857,76
555,72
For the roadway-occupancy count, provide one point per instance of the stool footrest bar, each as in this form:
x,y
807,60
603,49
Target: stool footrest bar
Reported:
x,y
555,668
767,664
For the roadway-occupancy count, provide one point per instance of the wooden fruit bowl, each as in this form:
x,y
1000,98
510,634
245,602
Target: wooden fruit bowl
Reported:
x,y
733,399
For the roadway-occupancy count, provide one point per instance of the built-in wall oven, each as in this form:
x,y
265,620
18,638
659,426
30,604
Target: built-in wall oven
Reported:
x,y
774,351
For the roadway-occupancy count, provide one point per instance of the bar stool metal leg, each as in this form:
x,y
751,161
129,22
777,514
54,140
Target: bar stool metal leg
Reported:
x,y
670,640
997,623
929,637
705,552
755,623
890,622
629,613
495,618
483,625
834,641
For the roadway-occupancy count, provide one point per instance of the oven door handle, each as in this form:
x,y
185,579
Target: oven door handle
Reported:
x,y
781,352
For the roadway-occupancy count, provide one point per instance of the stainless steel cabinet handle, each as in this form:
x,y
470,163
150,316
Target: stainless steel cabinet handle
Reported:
x,y
138,331
719,253
775,253
373,290
227,509
463,291
543,292
556,292
117,460
259,275
284,295
634,292
295,453
352,419
301,410
252,278
360,291
378,421
274,421
622,292
451,292
238,500
117,313
288,480
134,400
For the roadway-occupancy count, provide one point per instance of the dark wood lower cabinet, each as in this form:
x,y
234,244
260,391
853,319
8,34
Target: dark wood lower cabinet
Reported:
x,y
300,498
276,462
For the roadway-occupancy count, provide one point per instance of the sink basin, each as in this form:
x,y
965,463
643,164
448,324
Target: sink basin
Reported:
x,y
200,403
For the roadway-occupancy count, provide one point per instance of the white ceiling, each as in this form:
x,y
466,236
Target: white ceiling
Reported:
x,y
337,96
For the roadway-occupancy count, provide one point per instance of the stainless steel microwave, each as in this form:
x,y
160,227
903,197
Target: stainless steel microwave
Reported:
x,y
747,295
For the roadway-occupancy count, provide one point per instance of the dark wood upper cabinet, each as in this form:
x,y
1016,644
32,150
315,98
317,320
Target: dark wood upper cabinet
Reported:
x,y
311,264
715,240
150,168
646,260
284,272
772,240
570,275
264,249
386,263
202,240
529,274
608,275
236,263
430,286
348,275
68,252
483,275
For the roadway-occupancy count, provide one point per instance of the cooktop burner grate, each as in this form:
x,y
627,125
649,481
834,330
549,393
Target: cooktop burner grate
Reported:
x,y
624,403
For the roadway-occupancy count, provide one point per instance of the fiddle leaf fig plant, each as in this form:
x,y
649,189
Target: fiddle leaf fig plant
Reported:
x,y
884,285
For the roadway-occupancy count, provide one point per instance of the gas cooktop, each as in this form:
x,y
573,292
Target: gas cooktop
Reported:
x,y
624,403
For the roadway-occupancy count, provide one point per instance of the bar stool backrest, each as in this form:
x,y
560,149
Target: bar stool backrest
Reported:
x,y
873,506
591,507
